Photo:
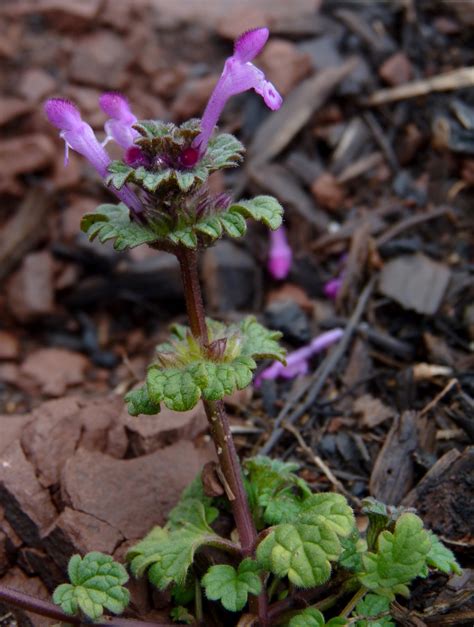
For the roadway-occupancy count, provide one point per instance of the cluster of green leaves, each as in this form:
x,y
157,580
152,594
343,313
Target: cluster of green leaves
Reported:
x,y
96,584
185,370
311,533
187,228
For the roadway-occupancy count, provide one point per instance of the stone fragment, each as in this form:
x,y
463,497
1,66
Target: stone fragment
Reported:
x,y
28,506
36,84
51,437
288,317
11,108
147,434
284,64
99,485
328,192
55,369
36,562
27,153
101,59
62,14
192,97
397,69
167,82
415,282
9,345
231,278
239,20
30,289
4,561
76,532
372,411
101,428
18,580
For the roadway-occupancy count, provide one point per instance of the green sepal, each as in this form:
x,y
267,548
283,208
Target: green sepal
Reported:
x,y
401,556
113,222
186,371
96,584
373,605
231,587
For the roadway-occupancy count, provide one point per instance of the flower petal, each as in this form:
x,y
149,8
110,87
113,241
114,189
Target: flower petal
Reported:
x,y
63,114
249,44
116,106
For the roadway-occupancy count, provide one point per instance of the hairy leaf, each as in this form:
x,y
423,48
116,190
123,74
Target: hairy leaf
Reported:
x,y
185,370
353,549
231,587
114,222
440,557
264,209
96,584
181,614
373,605
139,402
331,509
401,556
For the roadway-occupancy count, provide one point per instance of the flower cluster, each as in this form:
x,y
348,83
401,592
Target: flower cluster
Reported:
x,y
122,126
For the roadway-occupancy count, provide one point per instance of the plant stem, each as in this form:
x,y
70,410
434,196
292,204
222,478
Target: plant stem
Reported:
x,y
361,592
219,423
45,608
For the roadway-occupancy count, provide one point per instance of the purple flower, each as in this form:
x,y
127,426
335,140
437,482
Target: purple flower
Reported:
x,y
297,362
279,255
119,126
79,136
332,287
238,76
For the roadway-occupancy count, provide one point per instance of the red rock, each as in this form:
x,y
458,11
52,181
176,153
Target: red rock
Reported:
x,y
28,506
147,434
10,373
35,561
17,580
396,70
28,153
9,345
101,59
11,427
11,108
30,289
55,369
284,64
192,97
63,14
328,192
76,532
4,561
72,215
101,428
36,84
151,485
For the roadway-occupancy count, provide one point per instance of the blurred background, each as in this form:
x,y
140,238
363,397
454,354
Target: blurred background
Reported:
x,y
372,156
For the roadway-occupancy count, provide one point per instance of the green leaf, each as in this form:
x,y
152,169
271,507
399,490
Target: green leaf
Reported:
x,y
185,370
181,614
224,151
96,584
440,557
401,556
192,514
331,509
231,587
373,605
113,222
264,209
139,403
275,492
301,552
311,617
353,549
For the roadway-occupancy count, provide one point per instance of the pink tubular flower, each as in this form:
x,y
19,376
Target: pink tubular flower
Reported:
x,y
279,255
119,126
297,361
79,136
239,75
332,287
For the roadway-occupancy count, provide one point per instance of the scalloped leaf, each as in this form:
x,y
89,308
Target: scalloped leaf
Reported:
x,y
401,556
223,151
113,222
331,509
441,558
186,371
311,617
139,402
300,552
264,209
96,584
373,605
119,174
230,586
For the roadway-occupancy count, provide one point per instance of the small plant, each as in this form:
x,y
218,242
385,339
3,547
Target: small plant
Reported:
x,y
290,557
